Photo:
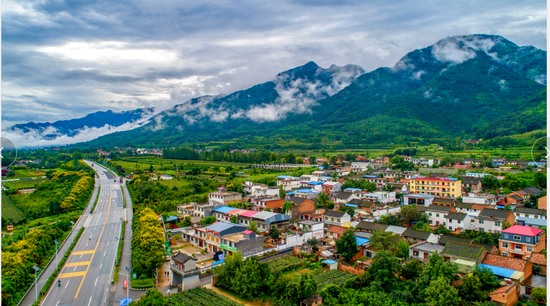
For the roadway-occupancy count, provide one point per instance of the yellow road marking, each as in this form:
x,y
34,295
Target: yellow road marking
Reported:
x,y
97,243
84,252
74,264
72,274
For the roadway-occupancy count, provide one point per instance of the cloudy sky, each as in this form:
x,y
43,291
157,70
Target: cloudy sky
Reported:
x,y
64,59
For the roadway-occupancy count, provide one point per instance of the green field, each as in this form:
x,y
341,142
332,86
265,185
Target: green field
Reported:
x,y
168,166
24,184
172,183
28,173
10,212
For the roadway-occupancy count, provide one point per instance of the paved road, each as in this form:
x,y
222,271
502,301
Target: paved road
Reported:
x,y
86,277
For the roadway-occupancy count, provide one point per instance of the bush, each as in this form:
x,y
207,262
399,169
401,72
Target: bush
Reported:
x,y
142,276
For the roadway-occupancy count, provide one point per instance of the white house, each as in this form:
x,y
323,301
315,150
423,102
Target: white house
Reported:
x,y
360,166
530,213
479,198
438,214
491,220
331,217
457,220
423,249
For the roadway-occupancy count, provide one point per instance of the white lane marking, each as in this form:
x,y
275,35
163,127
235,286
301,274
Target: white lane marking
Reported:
x,y
107,242
74,268
91,236
57,303
90,301
67,284
96,281
81,254
105,301
86,246
100,266
104,253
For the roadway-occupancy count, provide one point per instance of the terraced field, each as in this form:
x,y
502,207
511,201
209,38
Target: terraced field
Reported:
x,y
10,212
24,183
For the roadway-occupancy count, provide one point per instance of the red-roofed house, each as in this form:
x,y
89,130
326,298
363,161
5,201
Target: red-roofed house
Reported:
x,y
507,295
511,263
539,259
520,241
336,231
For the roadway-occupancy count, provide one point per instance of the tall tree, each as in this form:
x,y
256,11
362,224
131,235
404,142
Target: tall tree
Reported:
x,y
282,192
274,232
441,293
287,206
347,245
437,267
384,241
382,274
312,160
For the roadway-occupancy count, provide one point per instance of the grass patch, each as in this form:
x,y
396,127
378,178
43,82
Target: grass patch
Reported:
x,y
29,173
96,199
119,253
10,212
24,184
172,183
123,197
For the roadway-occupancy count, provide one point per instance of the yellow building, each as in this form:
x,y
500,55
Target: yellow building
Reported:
x,y
438,186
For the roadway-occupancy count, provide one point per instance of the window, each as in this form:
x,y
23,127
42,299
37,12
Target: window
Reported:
x,y
481,229
497,223
529,249
516,237
415,253
437,215
331,219
450,227
528,239
430,214
506,236
518,247
505,245
481,221
337,220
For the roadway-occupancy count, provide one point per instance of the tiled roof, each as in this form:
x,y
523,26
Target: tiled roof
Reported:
x,y
498,214
479,206
532,190
470,180
515,264
182,257
337,230
444,200
504,289
463,205
379,227
365,225
516,197
343,195
522,230
332,213
463,250
538,258
456,216
526,210
416,234
439,208
446,238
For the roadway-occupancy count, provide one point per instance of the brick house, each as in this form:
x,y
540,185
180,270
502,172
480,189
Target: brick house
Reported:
x,y
523,268
506,296
520,241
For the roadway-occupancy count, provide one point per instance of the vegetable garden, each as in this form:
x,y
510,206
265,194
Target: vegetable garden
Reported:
x,y
200,297
286,263
336,277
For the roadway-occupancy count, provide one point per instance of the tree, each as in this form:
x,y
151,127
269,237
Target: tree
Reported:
x,y
348,209
402,249
253,226
441,230
307,287
390,220
384,241
347,245
312,160
267,209
539,179
470,291
287,206
290,158
441,293
282,192
411,270
325,165
272,157
153,297
299,160
487,280
274,232
489,182
234,219
437,267
323,200
447,161
313,242
208,220
539,294
421,226
536,269
409,213
382,274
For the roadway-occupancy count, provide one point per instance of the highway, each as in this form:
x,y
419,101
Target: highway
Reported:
x,y
86,276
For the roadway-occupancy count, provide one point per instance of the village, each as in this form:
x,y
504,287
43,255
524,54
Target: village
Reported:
x,y
426,212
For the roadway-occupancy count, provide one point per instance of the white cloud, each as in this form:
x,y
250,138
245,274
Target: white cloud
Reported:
x,y
447,50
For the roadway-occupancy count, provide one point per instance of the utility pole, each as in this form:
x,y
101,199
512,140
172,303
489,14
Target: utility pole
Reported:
x,y
35,282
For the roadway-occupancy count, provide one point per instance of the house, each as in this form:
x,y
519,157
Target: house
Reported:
x,y
335,231
379,196
438,214
288,182
315,300
505,296
491,220
331,217
379,181
343,197
481,198
214,231
532,282
419,199
471,184
444,201
438,186
204,209
360,166
274,204
302,205
539,259
222,198
265,219
463,207
498,161
436,174
542,203
515,269
423,249
399,187
185,209
466,256
247,243
458,221
225,213
166,177
413,236
531,222
520,241
513,199
370,227
398,230
183,272
530,213
331,187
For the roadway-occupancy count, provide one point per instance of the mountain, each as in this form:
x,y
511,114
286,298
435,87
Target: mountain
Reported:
x,y
473,86
69,131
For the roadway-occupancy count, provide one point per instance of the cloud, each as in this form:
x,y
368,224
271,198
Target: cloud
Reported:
x,y
77,57
448,50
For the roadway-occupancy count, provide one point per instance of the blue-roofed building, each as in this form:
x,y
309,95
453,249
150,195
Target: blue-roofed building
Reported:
x,y
531,222
352,189
224,209
361,240
333,264
501,272
352,205
171,218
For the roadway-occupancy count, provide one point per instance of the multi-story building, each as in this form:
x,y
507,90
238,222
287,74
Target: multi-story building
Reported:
x,y
222,198
492,220
419,199
438,186
530,213
288,182
480,198
260,204
458,221
438,214
331,187
520,241
331,217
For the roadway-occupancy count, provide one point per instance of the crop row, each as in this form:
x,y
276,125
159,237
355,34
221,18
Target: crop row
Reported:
x,y
335,277
285,264
199,297
22,184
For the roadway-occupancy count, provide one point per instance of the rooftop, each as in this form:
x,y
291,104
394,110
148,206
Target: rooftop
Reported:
x,y
439,208
421,195
525,210
522,230
515,264
427,247
224,209
538,258
488,213
416,234
456,216
441,179
222,226
463,250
